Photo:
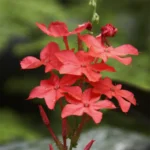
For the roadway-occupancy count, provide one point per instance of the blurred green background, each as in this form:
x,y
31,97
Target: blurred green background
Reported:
x,y
19,37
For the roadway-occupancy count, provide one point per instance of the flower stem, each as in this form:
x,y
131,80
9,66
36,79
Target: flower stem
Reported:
x,y
64,127
80,46
77,132
70,148
58,143
65,39
47,124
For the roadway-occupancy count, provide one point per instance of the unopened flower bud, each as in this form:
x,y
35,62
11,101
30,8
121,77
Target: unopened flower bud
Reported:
x,y
89,26
44,116
108,30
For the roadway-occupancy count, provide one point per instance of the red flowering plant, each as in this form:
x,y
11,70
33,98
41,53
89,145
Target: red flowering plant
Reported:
x,y
75,77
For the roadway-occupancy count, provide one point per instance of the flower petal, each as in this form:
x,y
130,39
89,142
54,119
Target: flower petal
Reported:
x,y
49,51
48,68
103,67
30,62
68,79
50,99
38,92
48,57
104,104
54,79
51,82
90,74
68,57
91,41
74,91
89,96
125,61
71,109
125,106
71,64
58,29
124,50
43,28
72,100
96,115
102,86
84,57
70,69
82,27
128,96
107,81
59,94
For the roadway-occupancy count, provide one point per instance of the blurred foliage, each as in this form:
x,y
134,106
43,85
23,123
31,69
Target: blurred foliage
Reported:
x,y
137,74
19,17
12,128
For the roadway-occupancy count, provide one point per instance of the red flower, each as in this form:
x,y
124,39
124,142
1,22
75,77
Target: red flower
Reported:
x,y
98,49
47,58
60,29
87,103
124,97
81,63
53,89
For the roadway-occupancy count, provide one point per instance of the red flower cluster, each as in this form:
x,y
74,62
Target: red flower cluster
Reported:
x,y
79,77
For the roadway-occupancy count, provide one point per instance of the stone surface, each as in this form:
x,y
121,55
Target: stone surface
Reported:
x,y
106,139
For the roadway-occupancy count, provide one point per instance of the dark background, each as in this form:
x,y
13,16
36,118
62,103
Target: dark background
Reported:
x,y
19,37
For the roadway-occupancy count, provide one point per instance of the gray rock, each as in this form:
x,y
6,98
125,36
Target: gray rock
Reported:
x,y
106,139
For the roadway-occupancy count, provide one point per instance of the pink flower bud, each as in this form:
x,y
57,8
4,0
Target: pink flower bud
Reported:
x,y
44,116
89,26
89,145
108,30
51,147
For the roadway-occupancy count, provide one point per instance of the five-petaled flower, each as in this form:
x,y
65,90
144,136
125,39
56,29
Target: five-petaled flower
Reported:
x,y
88,103
60,29
81,63
47,58
98,49
124,97
53,89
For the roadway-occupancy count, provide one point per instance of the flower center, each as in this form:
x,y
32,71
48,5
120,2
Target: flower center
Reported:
x,y
106,50
86,105
83,65
47,61
56,87
112,89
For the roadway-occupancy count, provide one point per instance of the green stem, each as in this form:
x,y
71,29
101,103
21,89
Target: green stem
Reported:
x,y
70,148
77,132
